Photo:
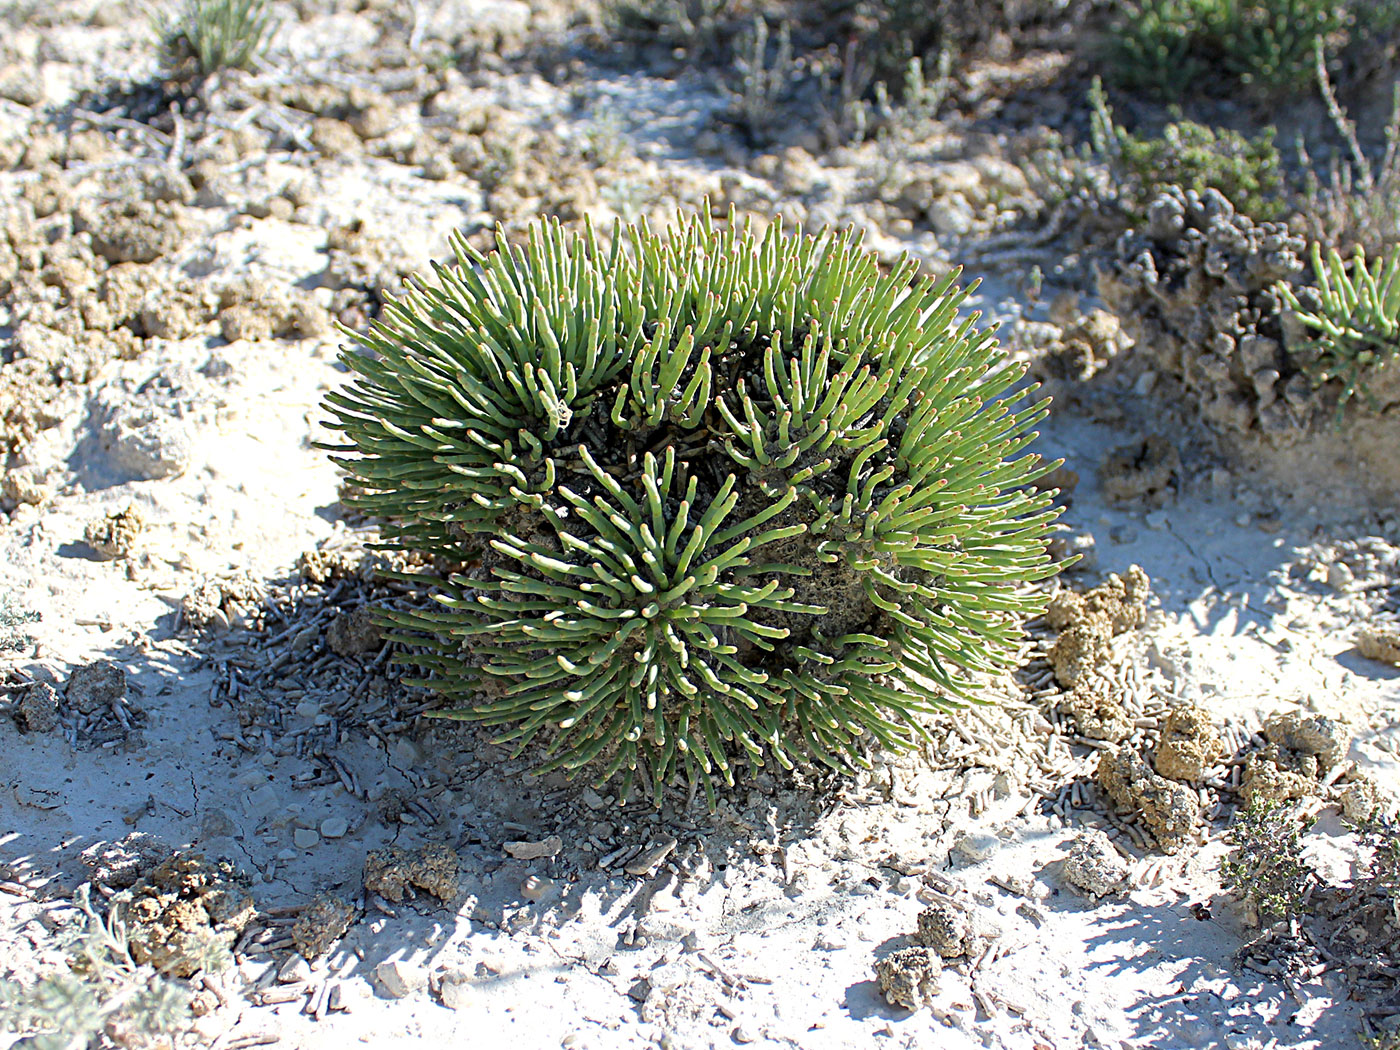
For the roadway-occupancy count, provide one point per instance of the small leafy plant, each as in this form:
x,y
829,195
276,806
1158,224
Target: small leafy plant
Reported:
x,y
1192,156
13,616
1353,320
715,497
1266,867
103,991
217,34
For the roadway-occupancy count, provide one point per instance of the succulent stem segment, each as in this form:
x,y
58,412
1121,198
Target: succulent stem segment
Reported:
x,y
717,496
1355,328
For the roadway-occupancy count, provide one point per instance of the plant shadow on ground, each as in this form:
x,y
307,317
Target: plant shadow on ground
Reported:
x,y
1185,947
239,770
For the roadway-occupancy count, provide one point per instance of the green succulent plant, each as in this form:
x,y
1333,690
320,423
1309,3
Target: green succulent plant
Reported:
x,y
1353,320
715,497
217,34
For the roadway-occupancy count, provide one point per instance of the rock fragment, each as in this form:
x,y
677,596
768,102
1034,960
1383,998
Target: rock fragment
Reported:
x,y
1380,642
334,827
648,860
400,979
526,850
1093,867
455,990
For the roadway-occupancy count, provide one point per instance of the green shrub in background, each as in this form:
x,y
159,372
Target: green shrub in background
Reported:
x,y
211,35
1173,48
732,497
1190,155
1352,320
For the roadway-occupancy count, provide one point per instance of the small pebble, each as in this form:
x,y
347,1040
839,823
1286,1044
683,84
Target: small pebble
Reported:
x,y
295,970
1339,576
334,827
975,847
535,888
524,850
305,838
455,991
399,978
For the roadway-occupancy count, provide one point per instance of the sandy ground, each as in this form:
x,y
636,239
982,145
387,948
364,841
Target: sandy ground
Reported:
x,y
574,919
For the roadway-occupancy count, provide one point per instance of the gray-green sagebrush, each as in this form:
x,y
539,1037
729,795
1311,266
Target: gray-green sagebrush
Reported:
x,y
715,496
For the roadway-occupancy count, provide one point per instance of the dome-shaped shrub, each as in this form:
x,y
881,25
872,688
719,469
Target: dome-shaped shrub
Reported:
x,y
719,495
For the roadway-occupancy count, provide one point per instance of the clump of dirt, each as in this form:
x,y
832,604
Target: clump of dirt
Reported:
x,y
182,911
135,231
218,604
22,485
953,198
393,871
37,710
953,931
322,923
95,686
1075,347
366,270
1188,744
147,429
114,535
908,977
1363,799
1195,288
257,310
1096,706
354,632
1169,810
1087,622
1143,473
1081,655
1319,742
1301,750
118,865
1093,867
330,566
185,914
